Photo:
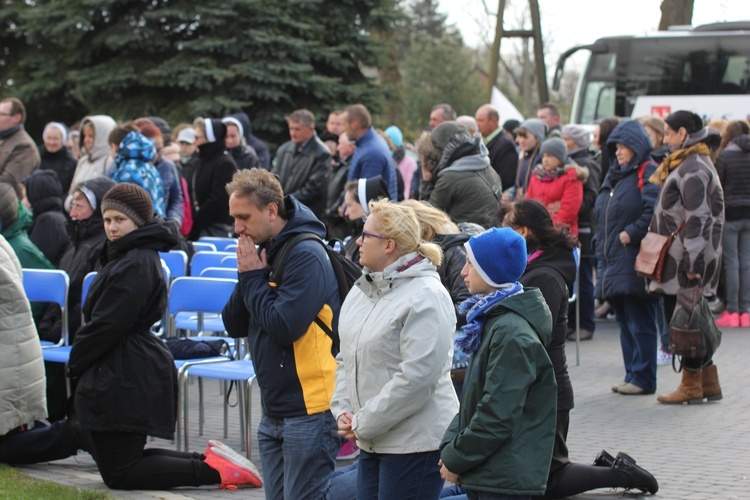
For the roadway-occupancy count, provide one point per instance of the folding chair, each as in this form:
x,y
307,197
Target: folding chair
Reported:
x,y
231,248
203,247
176,261
229,261
202,260
49,285
219,272
219,242
239,370
191,298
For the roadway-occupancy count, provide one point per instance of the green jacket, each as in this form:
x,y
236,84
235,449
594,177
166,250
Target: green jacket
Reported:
x,y
501,439
28,254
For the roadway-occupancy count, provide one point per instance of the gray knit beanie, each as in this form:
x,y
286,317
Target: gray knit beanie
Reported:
x,y
535,127
556,147
577,134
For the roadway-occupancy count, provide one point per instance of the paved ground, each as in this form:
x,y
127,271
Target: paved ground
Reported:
x,y
696,452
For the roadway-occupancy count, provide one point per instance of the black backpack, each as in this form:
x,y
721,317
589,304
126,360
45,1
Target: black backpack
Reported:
x,y
346,272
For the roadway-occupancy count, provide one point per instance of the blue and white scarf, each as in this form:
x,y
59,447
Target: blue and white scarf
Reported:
x,y
476,309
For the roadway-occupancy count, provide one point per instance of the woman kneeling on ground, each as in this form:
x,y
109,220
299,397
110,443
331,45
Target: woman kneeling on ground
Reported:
x,y
126,378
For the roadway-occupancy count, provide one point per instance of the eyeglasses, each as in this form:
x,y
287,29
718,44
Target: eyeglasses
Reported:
x,y
6,114
372,235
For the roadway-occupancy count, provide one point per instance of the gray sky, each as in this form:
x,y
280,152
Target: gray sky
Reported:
x,y
566,23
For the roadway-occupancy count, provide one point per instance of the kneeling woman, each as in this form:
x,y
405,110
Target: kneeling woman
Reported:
x,y
393,390
126,378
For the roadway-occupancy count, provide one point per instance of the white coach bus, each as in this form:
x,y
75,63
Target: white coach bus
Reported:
x,y
705,69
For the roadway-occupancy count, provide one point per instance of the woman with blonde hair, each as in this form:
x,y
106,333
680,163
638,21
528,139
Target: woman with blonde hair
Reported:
x,y
393,391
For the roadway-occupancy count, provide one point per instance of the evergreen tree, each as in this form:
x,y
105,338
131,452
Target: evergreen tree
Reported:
x,y
179,58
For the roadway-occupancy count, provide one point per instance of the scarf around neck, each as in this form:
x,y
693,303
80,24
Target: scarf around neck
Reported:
x,y
673,161
4,134
476,309
545,175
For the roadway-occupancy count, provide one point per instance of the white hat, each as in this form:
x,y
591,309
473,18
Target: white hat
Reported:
x,y
186,135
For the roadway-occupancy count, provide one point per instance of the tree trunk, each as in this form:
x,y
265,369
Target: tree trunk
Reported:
x,y
676,12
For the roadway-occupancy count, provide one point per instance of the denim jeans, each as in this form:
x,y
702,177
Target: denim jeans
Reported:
x,y
343,484
636,317
737,265
298,455
585,296
409,476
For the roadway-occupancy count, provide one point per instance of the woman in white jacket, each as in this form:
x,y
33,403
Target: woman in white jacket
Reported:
x,y
22,392
393,390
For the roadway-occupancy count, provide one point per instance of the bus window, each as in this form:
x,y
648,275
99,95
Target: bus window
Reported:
x,y
598,102
599,92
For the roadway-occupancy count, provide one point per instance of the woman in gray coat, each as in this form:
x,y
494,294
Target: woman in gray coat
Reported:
x,y
691,194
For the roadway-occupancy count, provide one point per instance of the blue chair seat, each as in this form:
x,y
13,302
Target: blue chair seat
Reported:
x,y
179,363
231,370
57,354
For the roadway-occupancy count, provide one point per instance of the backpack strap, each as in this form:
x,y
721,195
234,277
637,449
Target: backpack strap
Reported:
x,y
277,270
641,173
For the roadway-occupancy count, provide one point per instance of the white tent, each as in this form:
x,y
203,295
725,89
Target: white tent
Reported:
x,y
505,107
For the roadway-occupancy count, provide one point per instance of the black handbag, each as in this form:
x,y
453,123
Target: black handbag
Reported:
x,y
205,347
693,332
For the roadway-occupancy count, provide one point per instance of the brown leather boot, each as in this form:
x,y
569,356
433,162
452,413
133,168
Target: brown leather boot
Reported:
x,y
689,391
711,387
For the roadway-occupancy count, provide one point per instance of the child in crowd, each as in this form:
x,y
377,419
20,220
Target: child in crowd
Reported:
x,y
500,442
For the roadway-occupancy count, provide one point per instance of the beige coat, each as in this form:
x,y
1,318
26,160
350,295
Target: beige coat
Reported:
x,y
22,383
19,157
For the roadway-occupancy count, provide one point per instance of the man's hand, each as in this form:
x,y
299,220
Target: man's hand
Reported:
x,y
345,426
624,238
247,255
446,474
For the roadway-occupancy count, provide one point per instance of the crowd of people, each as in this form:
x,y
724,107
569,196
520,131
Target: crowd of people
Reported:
x,y
469,243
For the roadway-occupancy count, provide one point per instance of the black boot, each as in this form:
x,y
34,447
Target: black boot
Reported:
x,y
641,479
604,459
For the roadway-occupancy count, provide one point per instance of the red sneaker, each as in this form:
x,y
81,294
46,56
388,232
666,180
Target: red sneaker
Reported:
x,y
729,320
234,469
348,451
745,320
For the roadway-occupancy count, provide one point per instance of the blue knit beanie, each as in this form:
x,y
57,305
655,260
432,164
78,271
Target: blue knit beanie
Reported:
x,y
395,135
498,255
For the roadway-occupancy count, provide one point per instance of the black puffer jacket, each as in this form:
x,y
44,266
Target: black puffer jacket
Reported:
x,y
244,157
127,380
61,163
454,259
47,232
554,272
586,217
733,167
207,184
82,257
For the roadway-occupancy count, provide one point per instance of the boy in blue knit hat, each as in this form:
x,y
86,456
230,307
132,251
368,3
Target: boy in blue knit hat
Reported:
x,y
501,440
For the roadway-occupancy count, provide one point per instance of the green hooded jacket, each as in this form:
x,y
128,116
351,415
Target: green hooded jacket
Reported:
x,y
28,254
501,439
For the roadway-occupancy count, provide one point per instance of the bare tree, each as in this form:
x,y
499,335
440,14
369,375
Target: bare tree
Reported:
x,y
676,12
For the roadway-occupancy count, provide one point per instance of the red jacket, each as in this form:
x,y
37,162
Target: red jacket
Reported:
x,y
562,195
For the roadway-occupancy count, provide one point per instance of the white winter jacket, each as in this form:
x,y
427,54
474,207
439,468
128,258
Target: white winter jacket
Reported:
x,y
22,385
393,374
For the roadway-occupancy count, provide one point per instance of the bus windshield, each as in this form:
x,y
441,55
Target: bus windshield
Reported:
x,y
675,66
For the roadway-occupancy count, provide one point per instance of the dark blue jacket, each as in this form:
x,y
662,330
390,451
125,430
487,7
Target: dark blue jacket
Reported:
x,y
623,206
170,181
372,158
261,150
291,354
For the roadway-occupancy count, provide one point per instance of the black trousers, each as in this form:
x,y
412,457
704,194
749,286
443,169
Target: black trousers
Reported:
x,y
120,456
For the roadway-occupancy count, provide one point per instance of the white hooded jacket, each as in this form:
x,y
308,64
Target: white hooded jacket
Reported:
x,y
393,374
22,383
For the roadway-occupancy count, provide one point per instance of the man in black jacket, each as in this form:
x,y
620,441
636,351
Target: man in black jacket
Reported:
x,y
302,163
503,154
